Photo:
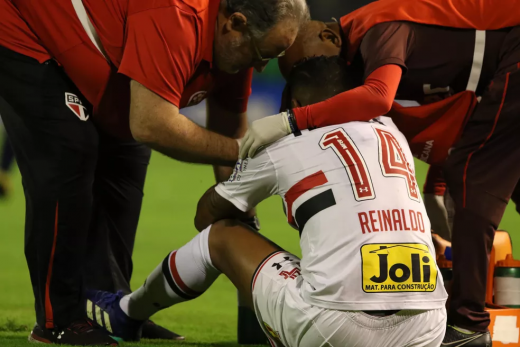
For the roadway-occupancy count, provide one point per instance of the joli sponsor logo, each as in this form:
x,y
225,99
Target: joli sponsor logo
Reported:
x,y
393,268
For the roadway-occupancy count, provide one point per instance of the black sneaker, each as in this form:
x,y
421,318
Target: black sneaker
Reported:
x,y
157,332
456,338
79,333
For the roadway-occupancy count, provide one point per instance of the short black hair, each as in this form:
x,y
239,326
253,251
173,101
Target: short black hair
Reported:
x,y
319,78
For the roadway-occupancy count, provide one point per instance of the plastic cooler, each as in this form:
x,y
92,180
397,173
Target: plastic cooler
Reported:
x,y
502,298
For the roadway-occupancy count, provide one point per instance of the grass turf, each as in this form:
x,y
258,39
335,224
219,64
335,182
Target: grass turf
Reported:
x,y
171,193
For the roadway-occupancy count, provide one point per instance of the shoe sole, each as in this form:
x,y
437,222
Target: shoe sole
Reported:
x,y
36,339
41,340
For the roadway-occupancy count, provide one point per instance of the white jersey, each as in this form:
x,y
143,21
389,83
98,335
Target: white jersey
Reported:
x,y
351,191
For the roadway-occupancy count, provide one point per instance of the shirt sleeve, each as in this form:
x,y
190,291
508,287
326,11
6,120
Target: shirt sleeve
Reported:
x,y
386,43
160,50
232,91
253,180
363,103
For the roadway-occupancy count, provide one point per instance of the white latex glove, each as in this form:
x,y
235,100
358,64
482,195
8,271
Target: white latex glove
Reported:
x,y
264,132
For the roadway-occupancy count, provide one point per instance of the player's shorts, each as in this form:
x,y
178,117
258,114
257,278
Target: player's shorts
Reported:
x,y
289,321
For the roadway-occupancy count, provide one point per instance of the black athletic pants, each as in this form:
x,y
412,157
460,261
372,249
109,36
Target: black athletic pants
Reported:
x,y
83,189
482,172
6,150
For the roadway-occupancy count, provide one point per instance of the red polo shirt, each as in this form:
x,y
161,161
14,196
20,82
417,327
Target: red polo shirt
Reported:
x,y
16,35
166,45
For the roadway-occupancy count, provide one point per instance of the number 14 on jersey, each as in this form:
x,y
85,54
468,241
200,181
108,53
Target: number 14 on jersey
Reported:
x,y
391,159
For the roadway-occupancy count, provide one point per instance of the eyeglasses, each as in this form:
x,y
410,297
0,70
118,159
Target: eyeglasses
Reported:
x,y
259,54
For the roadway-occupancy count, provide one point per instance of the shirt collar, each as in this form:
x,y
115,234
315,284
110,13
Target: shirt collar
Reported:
x,y
209,34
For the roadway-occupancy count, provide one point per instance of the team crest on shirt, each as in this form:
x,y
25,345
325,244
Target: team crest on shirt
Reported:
x,y
196,98
290,274
75,105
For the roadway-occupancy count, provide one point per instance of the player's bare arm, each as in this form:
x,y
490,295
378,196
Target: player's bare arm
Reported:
x,y
212,208
159,124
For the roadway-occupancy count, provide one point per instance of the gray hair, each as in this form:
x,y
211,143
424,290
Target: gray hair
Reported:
x,y
262,15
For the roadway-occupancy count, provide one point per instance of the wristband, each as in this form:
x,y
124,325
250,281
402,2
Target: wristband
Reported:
x,y
447,253
292,123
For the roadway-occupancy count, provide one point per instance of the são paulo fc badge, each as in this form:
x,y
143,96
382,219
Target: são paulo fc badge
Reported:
x,y
76,106
196,98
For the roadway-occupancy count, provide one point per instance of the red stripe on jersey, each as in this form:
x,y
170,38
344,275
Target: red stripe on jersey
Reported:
x,y
49,317
306,184
177,278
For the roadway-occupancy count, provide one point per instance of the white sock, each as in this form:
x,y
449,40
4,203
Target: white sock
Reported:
x,y
183,275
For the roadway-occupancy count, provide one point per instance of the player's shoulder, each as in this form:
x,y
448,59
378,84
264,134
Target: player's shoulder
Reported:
x,y
351,128
197,6
194,7
357,128
318,133
306,140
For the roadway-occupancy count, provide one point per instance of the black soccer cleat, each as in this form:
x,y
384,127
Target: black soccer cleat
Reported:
x,y
104,309
79,333
456,338
156,332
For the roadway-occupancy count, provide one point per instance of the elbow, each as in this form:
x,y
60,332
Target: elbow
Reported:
x,y
200,223
385,106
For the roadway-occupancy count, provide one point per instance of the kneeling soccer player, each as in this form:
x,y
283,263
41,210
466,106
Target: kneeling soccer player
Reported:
x,y
368,275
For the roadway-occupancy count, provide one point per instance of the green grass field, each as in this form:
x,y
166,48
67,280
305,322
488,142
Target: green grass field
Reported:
x,y
171,193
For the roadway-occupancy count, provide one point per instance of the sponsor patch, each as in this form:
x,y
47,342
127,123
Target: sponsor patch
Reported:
x,y
75,105
397,268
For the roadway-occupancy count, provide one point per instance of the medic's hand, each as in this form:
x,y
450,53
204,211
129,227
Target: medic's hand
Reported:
x,y
264,132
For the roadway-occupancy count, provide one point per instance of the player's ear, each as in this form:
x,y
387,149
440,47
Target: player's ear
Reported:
x,y
331,36
237,22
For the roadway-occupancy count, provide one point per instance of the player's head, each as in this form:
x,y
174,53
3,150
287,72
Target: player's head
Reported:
x,y
250,32
317,79
314,39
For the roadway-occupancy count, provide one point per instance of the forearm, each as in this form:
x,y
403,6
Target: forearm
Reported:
x,y
158,124
212,208
363,103
186,141
227,123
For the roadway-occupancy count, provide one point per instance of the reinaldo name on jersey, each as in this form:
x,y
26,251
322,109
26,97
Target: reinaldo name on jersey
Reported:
x,y
391,220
